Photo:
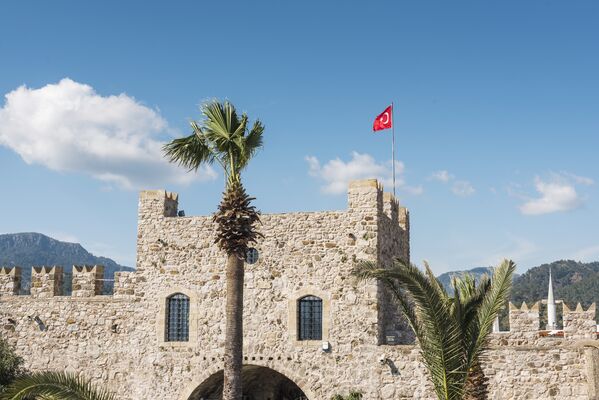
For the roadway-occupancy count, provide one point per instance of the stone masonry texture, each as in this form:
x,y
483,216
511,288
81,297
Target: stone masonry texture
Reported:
x,y
118,340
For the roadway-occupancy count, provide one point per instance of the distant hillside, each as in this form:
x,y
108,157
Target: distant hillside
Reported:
x,y
34,249
448,276
573,282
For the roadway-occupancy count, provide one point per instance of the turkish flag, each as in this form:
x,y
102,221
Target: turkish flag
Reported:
x,y
383,120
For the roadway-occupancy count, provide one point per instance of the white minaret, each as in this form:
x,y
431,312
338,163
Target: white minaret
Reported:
x,y
551,326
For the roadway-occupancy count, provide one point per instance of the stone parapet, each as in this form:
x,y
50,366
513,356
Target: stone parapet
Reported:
x,y
404,218
158,203
124,284
524,321
46,281
404,224
364,195
580,323
390,207
88,281
10,281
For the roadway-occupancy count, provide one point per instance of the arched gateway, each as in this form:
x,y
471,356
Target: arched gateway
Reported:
x,y
259,383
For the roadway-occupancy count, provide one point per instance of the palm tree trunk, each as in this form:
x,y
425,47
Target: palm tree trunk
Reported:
x,y
477,385
234,329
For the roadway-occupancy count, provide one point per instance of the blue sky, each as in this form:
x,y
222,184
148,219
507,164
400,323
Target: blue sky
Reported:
x,y
497,117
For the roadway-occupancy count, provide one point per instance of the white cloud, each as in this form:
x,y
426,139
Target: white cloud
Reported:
x,y
337,173
462,188
581,180
459,188
413,190
442,176
514,248
556,195
69,127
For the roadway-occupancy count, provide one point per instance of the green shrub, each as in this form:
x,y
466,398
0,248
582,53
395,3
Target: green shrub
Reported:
x,y
353,395
11,365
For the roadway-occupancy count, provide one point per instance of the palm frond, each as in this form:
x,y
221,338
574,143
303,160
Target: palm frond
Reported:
x,y
252,143
368,270
217,122
54,386
190,151
434,282
497,293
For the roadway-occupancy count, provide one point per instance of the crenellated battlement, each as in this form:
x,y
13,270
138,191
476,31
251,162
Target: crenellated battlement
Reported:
x,y
365,195
46,281
577,324
391,206
524,320
580,323
10,280
124,284
158,203
87,280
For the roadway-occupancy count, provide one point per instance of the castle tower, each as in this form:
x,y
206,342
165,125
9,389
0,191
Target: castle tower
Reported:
x,y
551,325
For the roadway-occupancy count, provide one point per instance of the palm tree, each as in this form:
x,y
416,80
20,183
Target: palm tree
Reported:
x,y
225,138
452,331
54,386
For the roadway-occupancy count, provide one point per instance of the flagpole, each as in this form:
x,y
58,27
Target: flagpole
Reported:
x,y
393,145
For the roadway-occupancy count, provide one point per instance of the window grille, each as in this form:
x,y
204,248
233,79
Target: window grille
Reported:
x,y
177,318
252,256
310,318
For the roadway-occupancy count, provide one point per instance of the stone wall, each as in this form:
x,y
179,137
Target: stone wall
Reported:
x,y
119,340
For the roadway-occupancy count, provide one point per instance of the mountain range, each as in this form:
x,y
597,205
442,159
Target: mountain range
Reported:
x,y
35,249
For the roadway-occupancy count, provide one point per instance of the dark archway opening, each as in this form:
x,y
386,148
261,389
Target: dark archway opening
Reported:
x,y
259,383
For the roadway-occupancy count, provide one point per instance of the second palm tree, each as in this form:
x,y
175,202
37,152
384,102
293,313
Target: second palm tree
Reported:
x,y
452,331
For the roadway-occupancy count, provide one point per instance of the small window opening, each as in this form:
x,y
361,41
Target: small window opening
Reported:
x,y
309,318
251,256
177,318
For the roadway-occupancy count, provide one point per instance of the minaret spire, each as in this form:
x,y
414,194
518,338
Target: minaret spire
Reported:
x,y
551,325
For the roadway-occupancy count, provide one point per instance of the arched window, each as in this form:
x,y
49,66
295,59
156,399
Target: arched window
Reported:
x,y
309,318
177,318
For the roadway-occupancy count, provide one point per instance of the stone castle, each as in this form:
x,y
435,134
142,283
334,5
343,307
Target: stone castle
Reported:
x,y
311,330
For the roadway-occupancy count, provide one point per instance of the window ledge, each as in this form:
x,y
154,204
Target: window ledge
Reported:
x,y
309,343
171,345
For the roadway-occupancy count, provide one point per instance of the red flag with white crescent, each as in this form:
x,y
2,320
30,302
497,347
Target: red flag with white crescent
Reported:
x,y
384,120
